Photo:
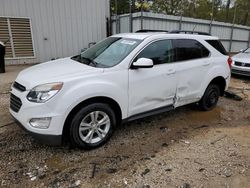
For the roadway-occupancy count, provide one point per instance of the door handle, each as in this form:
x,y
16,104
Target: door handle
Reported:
x,y
206,63
170,71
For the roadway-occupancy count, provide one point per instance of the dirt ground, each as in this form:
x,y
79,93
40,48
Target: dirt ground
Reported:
x,y
182,148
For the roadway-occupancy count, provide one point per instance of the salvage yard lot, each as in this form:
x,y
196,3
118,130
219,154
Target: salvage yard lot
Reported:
x,y
181,148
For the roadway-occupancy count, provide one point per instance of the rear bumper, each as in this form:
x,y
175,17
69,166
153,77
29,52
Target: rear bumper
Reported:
x,y
52,140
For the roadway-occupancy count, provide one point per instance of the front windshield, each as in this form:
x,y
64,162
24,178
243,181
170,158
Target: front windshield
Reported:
x,y
108,52
247,51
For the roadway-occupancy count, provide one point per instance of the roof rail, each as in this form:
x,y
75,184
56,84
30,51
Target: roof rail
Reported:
x,y
151,30
173,31
188,32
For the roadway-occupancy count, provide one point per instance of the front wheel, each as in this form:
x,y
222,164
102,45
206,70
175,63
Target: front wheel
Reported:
x,y
210,98
92,126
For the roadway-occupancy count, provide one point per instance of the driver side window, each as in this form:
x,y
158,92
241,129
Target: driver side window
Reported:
x,y
160,52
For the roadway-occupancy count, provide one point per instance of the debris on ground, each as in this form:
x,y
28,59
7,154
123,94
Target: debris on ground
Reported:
x,y
93,170
164,145
145,172
201,126
111,170
165,129
75,184
186,185
232,95
185,141
218,139
33,178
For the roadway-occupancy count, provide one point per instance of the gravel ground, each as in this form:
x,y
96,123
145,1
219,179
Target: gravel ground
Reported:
x,y
182,148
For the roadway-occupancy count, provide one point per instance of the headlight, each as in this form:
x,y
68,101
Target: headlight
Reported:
x,y
42,93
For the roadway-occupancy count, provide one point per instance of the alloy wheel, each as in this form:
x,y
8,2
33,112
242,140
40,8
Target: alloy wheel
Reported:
x,y
94,127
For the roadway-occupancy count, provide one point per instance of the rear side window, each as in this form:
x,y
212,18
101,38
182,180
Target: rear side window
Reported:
x,y
217,45
187,49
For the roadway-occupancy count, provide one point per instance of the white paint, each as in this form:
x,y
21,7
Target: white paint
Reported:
x,y
243,58
135,90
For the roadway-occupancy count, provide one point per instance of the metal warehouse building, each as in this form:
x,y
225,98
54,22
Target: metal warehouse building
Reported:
x,y
41,30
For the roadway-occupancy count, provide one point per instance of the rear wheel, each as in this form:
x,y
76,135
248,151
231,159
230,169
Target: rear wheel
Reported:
x,y
92,126
210,98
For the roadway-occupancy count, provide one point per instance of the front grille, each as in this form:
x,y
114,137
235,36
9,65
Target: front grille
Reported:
x,y
19,87
15,103
246,73
237,63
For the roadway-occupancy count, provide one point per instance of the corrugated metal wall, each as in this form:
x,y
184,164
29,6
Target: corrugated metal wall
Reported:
x,y
234,38
60,28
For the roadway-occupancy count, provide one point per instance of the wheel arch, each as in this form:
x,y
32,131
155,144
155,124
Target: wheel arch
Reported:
x,y
219,81
101,99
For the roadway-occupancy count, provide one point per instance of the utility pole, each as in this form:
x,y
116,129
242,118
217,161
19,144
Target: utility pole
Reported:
x,y
142,3
116,16
116,8
130,17
212,18
227,9
235,8
232,28
180,24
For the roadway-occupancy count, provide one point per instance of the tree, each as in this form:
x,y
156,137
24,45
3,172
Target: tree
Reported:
x,y
243,7
219,10
122,6
145,5
172,7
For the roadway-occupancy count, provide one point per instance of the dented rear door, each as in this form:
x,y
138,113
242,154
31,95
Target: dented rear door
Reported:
x,y
193,62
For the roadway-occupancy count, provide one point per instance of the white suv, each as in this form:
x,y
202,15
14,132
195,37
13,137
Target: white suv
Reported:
x,y
122,78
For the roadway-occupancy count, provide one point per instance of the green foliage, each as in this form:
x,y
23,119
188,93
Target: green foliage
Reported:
x,y
243,8
219,10
142,5
122,6
172,7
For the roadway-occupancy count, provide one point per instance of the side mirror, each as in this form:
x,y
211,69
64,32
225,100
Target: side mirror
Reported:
x,y
142,63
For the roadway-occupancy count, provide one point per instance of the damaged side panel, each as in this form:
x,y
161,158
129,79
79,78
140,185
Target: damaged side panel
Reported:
x,y
190,75
158,88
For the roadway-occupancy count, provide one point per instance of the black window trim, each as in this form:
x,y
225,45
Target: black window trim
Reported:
x,y
225,51
156,40
146,45
209,55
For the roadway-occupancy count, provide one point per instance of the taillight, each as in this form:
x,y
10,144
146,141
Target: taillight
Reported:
x,y
229,62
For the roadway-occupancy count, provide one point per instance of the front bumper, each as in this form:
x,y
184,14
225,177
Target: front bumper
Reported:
x,y
50,136
240,70
52,140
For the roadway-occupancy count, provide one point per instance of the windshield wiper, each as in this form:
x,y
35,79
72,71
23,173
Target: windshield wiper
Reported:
x,y
90,61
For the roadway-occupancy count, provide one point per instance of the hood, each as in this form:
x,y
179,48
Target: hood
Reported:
x,y
59,70
242,57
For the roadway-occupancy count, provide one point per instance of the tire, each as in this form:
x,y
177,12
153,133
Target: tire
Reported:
x,y
92,126
210,98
